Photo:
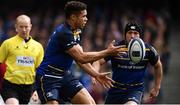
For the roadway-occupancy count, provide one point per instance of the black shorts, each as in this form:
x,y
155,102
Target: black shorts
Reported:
x,y
21,92
59,88
123,97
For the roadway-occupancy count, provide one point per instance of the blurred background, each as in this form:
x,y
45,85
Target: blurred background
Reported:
x,y
106,21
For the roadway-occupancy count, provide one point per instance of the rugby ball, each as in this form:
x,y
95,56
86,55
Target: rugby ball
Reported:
x,y
136,50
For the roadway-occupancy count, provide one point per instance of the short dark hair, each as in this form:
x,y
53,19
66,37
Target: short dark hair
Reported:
x,y
134,25
74,7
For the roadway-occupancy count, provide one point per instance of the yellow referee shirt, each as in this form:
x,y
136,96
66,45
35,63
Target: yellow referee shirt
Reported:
x,y
21,59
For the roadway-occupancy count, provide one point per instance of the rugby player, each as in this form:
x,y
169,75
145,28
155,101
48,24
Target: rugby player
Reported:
x,y
54,81
128,76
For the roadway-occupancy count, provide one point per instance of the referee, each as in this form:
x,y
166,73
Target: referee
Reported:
x,y
22,55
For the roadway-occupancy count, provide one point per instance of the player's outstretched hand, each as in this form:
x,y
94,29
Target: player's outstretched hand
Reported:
x,y
114,50
104,80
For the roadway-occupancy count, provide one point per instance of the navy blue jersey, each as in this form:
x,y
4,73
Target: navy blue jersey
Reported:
x,y
56,59
128,75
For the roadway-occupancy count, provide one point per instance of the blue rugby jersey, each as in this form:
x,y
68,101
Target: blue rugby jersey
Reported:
x,y
128,75
56,60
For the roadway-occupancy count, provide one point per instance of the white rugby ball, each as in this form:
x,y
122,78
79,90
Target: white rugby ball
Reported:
x,y
136,50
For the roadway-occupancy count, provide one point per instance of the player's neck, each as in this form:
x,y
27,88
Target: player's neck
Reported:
x,y
71,23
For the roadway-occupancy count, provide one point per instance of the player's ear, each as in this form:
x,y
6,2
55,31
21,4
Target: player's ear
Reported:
x,y
30,25
73,17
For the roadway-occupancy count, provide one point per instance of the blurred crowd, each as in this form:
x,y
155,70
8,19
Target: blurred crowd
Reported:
x,y
104,25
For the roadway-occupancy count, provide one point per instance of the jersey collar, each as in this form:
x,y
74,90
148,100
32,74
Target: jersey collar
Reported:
x,y
20,38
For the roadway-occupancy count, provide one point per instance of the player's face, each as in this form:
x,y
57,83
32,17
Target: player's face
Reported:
x,y
23,28
131,34
81,19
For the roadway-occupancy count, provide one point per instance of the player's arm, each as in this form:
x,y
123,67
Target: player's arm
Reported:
x,y
158,74
86,57
97,64
88,69
102,78
92,69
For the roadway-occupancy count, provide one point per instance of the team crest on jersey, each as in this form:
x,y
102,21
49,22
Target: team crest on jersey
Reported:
x,y
76,37
25,60
76,34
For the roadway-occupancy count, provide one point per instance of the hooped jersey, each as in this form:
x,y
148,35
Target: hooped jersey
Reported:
x,y
127,74
56,60
22,58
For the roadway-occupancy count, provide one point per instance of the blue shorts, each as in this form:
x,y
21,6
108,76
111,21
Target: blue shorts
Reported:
x,y
59,88
123,97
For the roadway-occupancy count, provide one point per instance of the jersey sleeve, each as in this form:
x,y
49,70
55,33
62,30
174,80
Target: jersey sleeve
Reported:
x,y
3,51
67,41
153,58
